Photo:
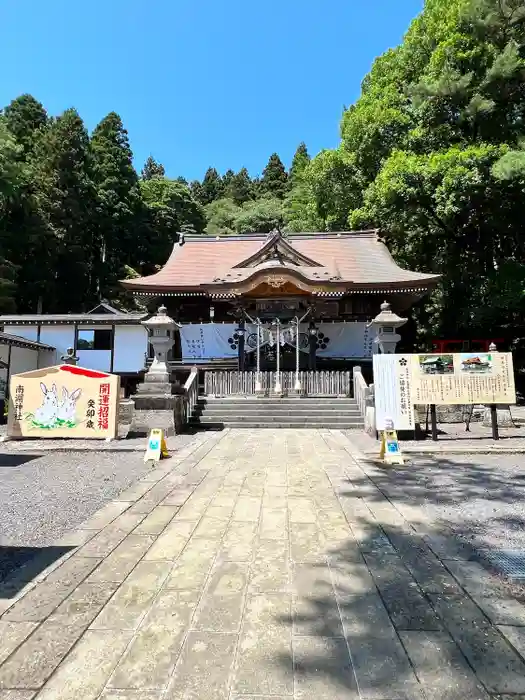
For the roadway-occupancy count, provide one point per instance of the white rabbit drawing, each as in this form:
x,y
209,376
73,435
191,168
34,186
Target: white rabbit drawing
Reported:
x,y
66,410
46,414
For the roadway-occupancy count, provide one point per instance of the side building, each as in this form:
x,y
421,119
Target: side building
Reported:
x,y
104,338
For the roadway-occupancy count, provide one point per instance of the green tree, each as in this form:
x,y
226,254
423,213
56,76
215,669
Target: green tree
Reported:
x,y
299,163
221,216
240,187
227,178
431,153
274,181
119,205
260,216
60,271
152,169
212,187
25,118
170,209
196,191
11,185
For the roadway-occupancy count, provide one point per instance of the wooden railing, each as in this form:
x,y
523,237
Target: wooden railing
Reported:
x,y
191,393
323,383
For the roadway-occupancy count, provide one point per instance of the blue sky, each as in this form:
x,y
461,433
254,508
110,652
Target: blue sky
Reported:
x,y
220,83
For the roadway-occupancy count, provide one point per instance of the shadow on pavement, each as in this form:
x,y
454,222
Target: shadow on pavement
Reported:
x,y
392,621
20,565
10,459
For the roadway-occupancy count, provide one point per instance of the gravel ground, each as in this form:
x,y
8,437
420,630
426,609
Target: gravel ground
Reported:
x,y
481,497
44,495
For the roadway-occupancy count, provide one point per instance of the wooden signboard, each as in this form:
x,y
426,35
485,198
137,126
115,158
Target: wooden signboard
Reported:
x,y
463,378
402,381
63,401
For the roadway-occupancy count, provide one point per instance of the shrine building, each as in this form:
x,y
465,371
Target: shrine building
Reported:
x,y
238,297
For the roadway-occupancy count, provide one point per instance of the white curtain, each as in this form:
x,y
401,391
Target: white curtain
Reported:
x,y
337,340
207,341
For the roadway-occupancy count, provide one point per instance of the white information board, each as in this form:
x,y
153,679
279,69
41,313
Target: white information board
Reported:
x,y
393,392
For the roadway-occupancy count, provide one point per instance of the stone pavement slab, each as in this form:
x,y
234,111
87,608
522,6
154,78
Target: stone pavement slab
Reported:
x,y
262,565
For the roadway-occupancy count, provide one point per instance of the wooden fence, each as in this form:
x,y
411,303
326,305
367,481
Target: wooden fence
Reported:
x,y
323,383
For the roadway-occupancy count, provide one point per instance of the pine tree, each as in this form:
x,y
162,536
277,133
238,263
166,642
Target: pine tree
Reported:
x,y
25,118
212,187
274,181
119,209
299,163
240,188
152,169
63,252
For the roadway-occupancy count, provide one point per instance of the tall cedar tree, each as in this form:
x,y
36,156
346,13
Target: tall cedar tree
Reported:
x,y
120,207
226,180
152,169
63,176
11,174
240,188
212,187
299,163
25,117
274,181
21,227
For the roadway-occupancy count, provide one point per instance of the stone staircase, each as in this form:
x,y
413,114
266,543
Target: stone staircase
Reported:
x,y
252,412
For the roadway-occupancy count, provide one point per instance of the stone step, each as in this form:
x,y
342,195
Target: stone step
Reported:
x,y
278,402
250,425
268,418
254,411
277,408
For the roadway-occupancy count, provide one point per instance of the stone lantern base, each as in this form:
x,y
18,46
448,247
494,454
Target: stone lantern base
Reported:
x,y
157,407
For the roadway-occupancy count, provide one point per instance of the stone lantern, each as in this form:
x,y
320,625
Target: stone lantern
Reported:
x,y
161,330
155,404
386,324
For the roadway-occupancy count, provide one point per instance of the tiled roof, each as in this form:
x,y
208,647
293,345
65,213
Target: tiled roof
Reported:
x,y
346,258
120,318
18,341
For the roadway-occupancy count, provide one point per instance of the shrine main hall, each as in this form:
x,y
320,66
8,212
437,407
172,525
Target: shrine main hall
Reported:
x,y
247,300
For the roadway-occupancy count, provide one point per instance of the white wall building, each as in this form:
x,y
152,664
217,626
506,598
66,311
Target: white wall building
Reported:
x,y
104,338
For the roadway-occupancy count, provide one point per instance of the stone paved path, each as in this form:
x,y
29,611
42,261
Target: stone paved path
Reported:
x,y
249,566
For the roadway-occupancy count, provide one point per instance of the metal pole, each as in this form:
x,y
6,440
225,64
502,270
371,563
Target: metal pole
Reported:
x,y
297,386
278,387
258,386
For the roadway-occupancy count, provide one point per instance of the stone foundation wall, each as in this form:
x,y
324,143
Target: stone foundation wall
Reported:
x,y
450,414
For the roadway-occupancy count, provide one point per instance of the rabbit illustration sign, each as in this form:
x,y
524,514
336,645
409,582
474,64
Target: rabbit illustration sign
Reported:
x,y
63,401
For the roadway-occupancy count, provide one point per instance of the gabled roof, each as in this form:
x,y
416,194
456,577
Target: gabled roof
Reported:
x,y
347,260
105,308
277,248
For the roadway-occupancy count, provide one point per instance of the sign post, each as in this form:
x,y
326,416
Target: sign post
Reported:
x,y
390,450
156,449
